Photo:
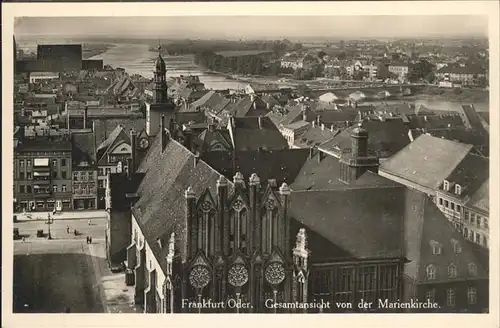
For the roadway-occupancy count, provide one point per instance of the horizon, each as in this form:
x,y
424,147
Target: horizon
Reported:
x,y
256,27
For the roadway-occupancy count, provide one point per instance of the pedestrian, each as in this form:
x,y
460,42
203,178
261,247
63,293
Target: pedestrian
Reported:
x,y
90,240
67,229
89,222
75,232
24,239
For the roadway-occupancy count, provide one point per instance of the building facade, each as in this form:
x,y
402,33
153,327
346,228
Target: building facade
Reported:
x,y
84,189
43,175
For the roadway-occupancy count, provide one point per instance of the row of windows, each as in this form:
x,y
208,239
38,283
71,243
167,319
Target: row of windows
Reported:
x,y
449,204
431,271
346,283
28,189
29,175
477,219
475,237
451,296
54,163
83,176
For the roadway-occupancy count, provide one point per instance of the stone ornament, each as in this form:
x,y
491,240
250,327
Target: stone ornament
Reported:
x,y
238,275
238,205
205,206
275,273
199,276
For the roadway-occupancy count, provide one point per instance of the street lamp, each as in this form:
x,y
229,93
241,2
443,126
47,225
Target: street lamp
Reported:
x,y
49,221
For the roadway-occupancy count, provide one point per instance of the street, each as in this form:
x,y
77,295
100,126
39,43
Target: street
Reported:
x,y
66,272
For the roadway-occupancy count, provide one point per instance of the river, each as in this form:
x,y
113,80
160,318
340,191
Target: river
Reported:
x,y
137,59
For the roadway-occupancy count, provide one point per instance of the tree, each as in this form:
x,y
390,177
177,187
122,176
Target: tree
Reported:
x,y
420,70
359,75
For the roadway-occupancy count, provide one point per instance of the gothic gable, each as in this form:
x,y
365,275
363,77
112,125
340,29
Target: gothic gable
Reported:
x,y
206,202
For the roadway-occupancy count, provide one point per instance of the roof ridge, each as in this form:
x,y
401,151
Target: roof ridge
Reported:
x,y
351,187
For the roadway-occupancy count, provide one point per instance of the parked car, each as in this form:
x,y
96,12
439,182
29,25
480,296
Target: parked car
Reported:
x,y
39,233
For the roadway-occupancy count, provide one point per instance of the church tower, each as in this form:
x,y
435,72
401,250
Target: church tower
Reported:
x,y
160,80
160,104
355,163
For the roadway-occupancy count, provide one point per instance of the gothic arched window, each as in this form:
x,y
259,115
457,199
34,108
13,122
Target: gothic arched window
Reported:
x,y
238,225
270,227
206,228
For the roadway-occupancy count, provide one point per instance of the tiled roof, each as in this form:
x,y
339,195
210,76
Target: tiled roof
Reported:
x,y
46,144
161,208
83,147
480,199
117,136
106,126
297,125
247,106
324,174
342,216
385,138
425,223
315,136
435,121
426,161
472,117
470,173
247,135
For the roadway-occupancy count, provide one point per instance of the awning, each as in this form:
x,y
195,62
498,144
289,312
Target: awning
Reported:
x,y
41,162
41,174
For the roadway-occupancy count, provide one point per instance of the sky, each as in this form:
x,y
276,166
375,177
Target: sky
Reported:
x,y
256,27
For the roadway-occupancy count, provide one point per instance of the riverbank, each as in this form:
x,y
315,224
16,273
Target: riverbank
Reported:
x,y
91,50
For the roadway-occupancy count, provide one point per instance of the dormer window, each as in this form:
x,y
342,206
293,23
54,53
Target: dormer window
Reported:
x,y
446,185
436,247
458,189
452,271
472,269
431,272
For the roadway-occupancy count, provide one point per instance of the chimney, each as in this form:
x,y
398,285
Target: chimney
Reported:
x,y
268,106
322,127
85,113
425,118
133,138
318,119
332,129
311,152
304,113
260,122
211,127
196,159
313,124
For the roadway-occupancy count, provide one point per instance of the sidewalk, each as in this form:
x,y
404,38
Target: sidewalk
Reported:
x,y
73,215
116,296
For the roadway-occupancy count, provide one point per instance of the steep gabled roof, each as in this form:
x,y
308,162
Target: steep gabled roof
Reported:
x,y
161,209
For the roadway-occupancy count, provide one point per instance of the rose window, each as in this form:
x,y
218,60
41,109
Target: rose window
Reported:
x,y
238,275
275,273
270,204
206,207
199,277
238,205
